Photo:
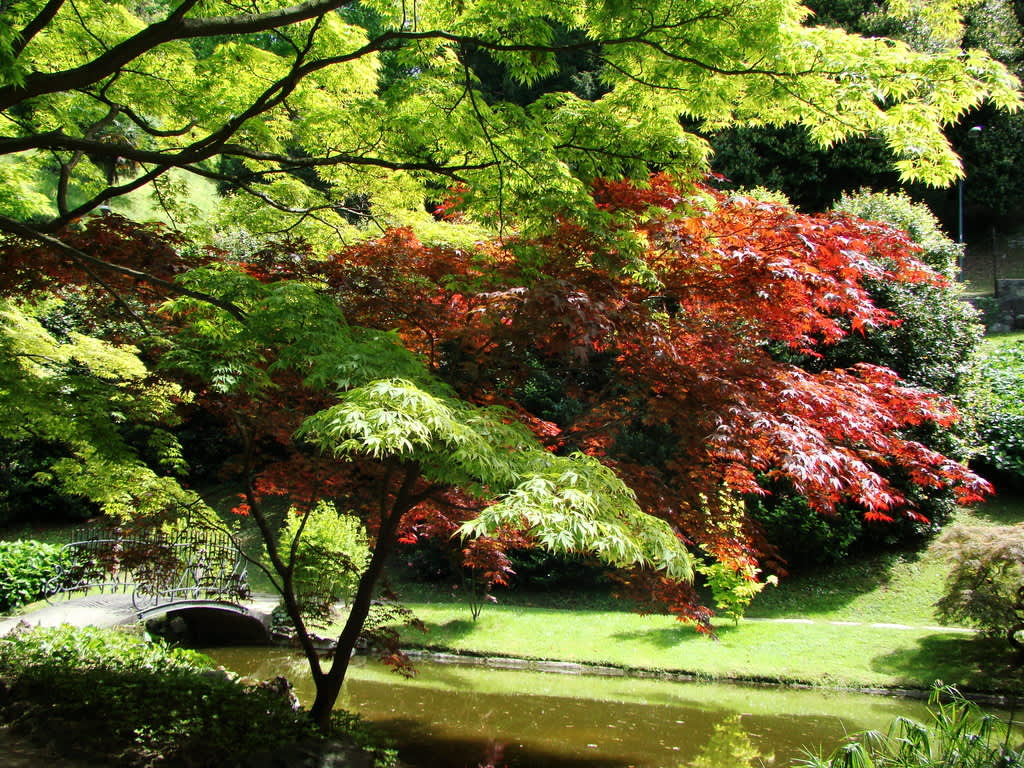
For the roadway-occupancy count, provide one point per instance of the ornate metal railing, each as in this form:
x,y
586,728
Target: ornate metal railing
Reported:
x,y
154,566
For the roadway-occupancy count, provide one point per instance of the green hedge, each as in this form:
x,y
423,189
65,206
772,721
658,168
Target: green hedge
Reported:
x,y
117,699
1002,422
25,568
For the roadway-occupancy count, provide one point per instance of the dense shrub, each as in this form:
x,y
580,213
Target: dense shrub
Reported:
x,y
108,695
1001,420
985,579
803,537
328,560
25,494
25,568
958,735
937,342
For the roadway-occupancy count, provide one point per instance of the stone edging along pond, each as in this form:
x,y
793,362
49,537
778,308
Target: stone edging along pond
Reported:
x,y
604,670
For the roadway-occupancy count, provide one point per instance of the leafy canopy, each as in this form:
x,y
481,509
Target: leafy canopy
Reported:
x,y
95,399
568,504
328,115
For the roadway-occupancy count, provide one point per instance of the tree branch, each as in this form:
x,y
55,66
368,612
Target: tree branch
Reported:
x,y
20,229
174,27
34,27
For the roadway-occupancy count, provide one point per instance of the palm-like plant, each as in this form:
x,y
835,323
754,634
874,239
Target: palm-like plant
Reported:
x,y
960,735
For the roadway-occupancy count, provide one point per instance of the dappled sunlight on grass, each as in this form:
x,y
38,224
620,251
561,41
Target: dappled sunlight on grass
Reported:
x,y
1004,509
891,587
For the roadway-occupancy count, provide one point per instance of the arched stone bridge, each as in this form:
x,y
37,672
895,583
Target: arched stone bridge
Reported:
x,y
206,622
192,582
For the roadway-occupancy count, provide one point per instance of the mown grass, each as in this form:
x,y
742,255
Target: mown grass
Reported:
x,y
818,653
1000,340
819,628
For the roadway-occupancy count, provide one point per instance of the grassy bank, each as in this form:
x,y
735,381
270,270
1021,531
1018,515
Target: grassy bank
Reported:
x,y
776,651
833,628
820,628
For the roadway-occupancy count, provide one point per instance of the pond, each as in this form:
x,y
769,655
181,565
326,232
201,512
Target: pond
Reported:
x,y
463,717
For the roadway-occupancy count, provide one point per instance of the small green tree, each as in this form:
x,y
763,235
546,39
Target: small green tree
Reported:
x,y
985,587
327,552
97,405
377,432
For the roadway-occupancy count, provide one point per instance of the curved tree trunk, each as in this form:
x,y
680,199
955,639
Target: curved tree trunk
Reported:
x,y
328,686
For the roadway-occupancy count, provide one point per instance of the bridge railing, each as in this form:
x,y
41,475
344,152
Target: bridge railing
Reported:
x,y
153,566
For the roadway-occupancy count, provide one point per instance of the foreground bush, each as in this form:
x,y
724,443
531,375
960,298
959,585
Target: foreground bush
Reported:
x,y
117,699
958,735
25,568
985,586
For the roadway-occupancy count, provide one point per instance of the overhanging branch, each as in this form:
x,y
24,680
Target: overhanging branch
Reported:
x,y
14,227
175,27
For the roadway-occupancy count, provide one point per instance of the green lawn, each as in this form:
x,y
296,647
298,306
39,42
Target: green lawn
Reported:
x,y
817,653
998,340
816,628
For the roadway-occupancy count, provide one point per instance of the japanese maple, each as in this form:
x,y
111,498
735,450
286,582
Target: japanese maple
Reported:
x,y
662,336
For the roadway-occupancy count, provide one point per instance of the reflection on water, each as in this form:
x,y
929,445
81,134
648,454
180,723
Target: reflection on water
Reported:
x,y
730,744
455,717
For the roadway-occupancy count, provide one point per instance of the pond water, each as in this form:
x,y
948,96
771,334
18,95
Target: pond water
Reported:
x,y
463,717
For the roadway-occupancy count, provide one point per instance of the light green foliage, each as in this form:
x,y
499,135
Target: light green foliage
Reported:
x,y
391,409
567,503
91,648
940,22
987,570
733,581
576,504
376,101
303,326
83,394
327,553
733,589
959,735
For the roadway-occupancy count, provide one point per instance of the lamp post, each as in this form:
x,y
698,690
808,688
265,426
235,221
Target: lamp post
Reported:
x,y
974,130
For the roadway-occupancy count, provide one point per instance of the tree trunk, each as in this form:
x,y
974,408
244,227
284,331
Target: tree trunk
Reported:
x,y
328,686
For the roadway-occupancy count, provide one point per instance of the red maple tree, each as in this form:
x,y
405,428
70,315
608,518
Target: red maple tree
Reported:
x,y
667,329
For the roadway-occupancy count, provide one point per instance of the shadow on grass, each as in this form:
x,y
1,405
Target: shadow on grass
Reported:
x,y
829,589
971,662
664,637
441,634
673,636
1005,509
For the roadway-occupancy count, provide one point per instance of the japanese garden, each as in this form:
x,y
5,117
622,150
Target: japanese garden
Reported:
x,y
462,383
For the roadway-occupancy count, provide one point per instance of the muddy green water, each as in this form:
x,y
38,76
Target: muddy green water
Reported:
x,y
454,717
